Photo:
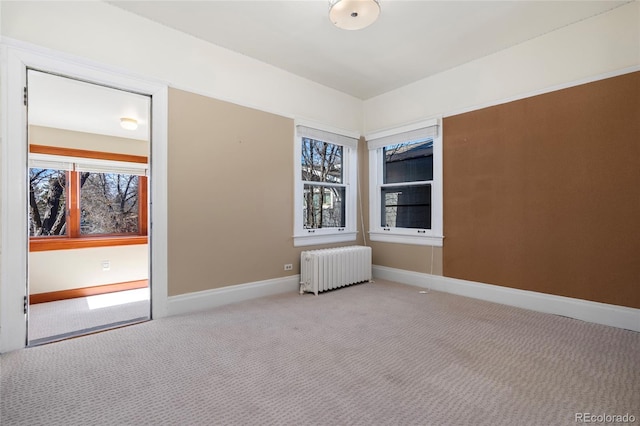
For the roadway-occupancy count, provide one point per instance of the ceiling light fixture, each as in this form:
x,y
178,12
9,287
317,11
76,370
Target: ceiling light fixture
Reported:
x,y
129,123
353,14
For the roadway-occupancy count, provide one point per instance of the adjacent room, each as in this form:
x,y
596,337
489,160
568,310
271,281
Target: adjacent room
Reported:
x,y
88,203
334,212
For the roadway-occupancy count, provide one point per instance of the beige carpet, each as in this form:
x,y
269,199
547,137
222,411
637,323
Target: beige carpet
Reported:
x,y
371,354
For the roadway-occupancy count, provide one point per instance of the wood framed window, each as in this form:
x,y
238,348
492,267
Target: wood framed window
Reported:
x,y
80,199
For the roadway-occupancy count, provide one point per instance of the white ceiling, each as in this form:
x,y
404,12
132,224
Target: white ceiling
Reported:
x,y
65,103
411,40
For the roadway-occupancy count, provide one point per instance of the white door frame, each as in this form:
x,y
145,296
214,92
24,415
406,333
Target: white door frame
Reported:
x,y
16,58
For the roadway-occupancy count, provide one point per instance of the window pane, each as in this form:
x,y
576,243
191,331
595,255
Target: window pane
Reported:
x,y
323,207
108,203
47,202
408,162
321,161
406,207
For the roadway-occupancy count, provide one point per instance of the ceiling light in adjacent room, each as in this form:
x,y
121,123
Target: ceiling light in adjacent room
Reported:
x,y
353,14
129,123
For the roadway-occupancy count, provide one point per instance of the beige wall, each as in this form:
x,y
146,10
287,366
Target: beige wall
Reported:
x,y
57,270
61,138
230,174
425,259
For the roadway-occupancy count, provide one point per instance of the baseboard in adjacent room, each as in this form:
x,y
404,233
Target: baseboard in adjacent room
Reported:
x,y
585,310
202,300
52,296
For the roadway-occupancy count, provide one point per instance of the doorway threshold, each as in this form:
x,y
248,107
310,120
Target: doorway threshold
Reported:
x,y
85,332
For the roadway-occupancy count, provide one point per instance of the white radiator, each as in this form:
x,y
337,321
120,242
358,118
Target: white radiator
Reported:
x,y
327,269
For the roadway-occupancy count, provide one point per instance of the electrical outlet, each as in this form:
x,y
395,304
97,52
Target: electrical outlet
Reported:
x,y
288,267
106,265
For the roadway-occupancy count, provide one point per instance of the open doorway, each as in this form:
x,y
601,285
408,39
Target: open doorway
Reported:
x,y
88,260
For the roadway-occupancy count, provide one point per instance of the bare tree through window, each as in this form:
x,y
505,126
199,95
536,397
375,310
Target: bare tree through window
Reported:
x,y
324,188
47,202
108,203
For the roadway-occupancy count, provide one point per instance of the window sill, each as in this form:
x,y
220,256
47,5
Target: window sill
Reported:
x,y
62,243
312,240
420,240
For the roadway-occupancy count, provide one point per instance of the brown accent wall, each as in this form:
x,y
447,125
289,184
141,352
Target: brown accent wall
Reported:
x,y
543,194
230,185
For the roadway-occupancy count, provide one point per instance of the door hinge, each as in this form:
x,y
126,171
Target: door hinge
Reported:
x,y
25,305
25,95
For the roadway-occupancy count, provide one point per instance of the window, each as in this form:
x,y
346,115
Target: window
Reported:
x,y
109,203
85,202
48,196
323,181
406,184
325,197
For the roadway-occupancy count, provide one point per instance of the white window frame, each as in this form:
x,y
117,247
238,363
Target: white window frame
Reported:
x,y
376,143
349,142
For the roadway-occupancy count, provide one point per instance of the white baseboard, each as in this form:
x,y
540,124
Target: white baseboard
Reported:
x,y
202,300
585,310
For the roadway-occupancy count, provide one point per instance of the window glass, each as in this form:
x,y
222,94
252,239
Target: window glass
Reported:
x,y
323,207
408,162
406,206
321,161
108,203
409,205
47,202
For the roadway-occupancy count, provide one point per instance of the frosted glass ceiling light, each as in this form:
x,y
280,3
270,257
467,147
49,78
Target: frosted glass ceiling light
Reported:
x,y
353,14
129,123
